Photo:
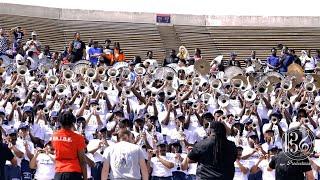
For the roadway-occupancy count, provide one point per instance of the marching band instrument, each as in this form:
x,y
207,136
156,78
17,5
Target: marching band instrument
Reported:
x,y
68,75
90,73
216,84
2,70
113,72
274,120
140,71
125,73
309,87
20,103
217,60
44,68
46,110
223,100
205,98
284,103
101,70
53,80
202,66
232,71
170,92
105,86
237,83
60,89
237,117
286,84
82,86
22,70
175,103
318,106
196,81
249,95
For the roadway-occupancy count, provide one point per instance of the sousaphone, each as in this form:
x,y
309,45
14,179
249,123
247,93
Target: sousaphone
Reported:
x,y
232,71
202,67
296,73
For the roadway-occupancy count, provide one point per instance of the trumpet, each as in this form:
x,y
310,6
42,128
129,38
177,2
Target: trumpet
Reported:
x,y
310,87
225,80
82,86
125,73
105,85
140,71
205,97
175,103
127,91
223,100
60,89
46,110
216,84
309,79
53,80
262,89
274,120
169,76
306,120
286,84
19,103
170,92
44,69
249,95
101,70
151,70
113,72
257,102
237,117
68,75
194,105
22,70
254,126
285,103
16,91
196,81
224,118
90,92
237,83
90,73
309,107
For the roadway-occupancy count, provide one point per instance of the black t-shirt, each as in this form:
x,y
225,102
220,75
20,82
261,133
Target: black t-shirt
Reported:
x,y
18,35
207,169
5,154
77,50
287,168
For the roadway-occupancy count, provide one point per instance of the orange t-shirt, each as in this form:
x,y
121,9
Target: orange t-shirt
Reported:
x,y
67,144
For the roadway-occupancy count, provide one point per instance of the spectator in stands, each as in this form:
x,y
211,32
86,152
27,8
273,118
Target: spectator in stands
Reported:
x,y
33,45
183,53
233,61
296,59
196,57
152,62
107,49
317,56
17,33
171,59
285,60
4,42
77,48
124,160
251,62
88,46
94,53
46,54
117,55
273,61
309,63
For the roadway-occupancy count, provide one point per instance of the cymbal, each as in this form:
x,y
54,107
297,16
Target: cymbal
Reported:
x,y
202,67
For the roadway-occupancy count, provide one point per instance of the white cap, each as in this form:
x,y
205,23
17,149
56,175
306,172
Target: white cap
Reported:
x,y
34,33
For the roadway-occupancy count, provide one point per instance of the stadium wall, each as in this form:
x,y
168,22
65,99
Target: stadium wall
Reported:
x,y
141,17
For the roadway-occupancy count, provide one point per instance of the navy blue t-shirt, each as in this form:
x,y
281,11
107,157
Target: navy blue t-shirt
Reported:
x,y
5,155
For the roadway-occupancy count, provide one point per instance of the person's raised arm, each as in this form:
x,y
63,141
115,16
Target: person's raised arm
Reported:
x,y
144,169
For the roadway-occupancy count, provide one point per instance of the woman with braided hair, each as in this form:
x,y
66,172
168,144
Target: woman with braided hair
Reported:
x,y
215,155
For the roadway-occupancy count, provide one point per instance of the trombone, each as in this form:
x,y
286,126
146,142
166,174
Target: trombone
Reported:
x,y
223,101
140,71
53,80
310,87
205,98
196,81
90,73
237,83
82,86
216,84
286,84
125,73
249,95
101,70
175,103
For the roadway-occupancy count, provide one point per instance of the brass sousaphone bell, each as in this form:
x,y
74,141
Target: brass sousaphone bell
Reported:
x,y
202,67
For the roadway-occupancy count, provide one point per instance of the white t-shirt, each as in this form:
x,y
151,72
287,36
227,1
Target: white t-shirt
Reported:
x,y
266,175
158,169
309,63
45,167
238,175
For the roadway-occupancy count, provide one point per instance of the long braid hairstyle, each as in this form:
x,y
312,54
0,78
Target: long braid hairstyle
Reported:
x,y
218,133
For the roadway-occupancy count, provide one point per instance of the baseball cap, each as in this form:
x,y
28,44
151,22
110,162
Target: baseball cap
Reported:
x,y
54,114
27,109
11,131
23,126
34,33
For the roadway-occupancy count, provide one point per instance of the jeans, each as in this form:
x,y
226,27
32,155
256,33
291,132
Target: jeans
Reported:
x,y
96,171
25,170
161,178
192,177
178,175
12,172
256,176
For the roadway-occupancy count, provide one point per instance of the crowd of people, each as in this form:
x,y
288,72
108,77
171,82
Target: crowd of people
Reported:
x,y
89,112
